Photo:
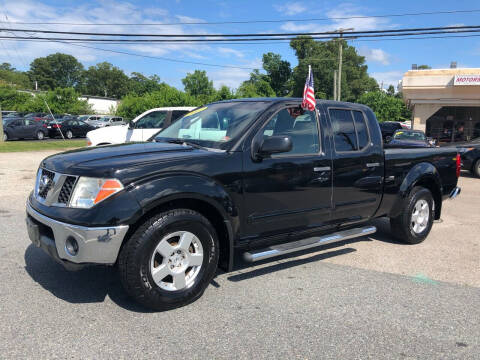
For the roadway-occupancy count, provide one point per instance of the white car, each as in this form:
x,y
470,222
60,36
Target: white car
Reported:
x,y
142,128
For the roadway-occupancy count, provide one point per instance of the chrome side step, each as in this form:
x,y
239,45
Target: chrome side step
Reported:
x,y
277,250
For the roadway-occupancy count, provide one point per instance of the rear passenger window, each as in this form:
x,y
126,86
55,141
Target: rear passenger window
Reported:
x,y
361,128
343,130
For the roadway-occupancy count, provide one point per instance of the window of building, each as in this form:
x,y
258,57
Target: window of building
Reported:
x,y
454,124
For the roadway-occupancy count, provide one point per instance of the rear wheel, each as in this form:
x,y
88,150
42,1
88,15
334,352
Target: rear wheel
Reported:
x,y
40,135
5,136
69,134
413,225
170,259
476,168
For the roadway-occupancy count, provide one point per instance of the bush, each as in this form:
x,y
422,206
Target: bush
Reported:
x,y
11,99
385,107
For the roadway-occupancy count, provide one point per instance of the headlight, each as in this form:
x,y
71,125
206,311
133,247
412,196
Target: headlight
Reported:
x,y
90,191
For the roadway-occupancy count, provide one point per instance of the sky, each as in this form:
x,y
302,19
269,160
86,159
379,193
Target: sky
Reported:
x,y
387,60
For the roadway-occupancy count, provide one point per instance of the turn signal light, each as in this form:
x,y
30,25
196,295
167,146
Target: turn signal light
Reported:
x,y
108,188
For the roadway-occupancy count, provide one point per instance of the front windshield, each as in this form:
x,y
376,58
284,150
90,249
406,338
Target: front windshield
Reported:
x,y
409,135
214,125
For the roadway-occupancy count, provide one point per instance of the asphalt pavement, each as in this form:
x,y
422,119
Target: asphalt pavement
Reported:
x,y
369,298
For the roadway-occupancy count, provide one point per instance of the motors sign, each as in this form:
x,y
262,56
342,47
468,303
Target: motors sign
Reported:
x,y
466,80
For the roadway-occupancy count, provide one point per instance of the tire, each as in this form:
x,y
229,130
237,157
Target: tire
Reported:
x,y
153,261
5,136
476,168
69,134
413,225
40,135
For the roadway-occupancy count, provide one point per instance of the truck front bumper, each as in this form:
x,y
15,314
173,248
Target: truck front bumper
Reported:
x,y
74,246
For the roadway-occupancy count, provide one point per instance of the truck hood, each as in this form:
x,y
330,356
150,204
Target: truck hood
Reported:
x,y
122,160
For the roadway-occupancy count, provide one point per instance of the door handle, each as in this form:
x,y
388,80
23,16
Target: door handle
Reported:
x,y
323,168
371,165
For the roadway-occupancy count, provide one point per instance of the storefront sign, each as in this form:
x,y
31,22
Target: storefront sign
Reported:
x,y
466,80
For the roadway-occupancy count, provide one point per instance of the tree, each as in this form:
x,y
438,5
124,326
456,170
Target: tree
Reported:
x,y
133,105
139,84
11,99
197,84
385,107
7,66
12,77
224,93
260,88
278,72
424,67
391,90
323,57
56,70
104,79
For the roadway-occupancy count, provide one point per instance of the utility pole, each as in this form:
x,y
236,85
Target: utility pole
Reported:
x,y
1,126
340,61
335,85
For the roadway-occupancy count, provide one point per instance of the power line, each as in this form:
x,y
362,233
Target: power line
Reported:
x,y
275,39
447,12
452,28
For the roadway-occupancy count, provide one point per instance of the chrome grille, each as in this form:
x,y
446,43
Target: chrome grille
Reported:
x,y
67,188
44,188
53,188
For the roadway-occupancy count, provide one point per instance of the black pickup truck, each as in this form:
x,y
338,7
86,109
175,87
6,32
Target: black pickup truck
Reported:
x,y
262,177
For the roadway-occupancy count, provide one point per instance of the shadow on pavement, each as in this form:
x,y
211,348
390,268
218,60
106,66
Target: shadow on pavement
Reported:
x,y
89,285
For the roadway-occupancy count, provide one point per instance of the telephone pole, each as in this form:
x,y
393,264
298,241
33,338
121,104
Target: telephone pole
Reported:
x,y
335,85
340,61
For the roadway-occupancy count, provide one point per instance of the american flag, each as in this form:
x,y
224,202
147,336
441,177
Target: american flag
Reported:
x,y
308,92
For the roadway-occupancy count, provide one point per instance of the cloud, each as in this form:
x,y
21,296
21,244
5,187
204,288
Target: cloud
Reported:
x,y
229,51
375,55
21,53
234,77
291,8
388,77
337,17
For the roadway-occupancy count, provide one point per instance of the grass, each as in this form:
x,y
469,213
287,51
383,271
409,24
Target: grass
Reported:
x,y
38,145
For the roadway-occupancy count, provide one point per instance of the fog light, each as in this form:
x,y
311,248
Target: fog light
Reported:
x,y
71,246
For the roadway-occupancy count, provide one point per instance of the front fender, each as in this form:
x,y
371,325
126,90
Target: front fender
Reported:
x,y
422,173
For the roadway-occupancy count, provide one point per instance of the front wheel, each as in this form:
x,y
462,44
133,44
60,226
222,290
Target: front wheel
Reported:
x,y
40,135
476,168
5,136
413,225
170,259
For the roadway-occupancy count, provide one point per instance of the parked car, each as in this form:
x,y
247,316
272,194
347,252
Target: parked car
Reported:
x,y
408,138
388,128
142,128
24,129
37,116
253,175
69,128
470,152
106,121
89,118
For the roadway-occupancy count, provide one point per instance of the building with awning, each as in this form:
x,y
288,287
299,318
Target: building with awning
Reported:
x,y
445,102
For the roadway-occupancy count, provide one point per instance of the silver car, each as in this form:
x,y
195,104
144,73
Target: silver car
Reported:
x,y
105,121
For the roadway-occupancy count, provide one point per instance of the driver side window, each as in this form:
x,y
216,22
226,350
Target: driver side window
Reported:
x,y
301,125
153,120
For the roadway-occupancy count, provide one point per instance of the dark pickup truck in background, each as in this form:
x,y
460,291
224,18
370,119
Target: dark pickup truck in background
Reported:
x,y
258,176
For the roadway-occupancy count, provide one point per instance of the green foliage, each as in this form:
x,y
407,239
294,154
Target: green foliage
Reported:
x,y
133,105
259,88
424,67
224,93
198,85
11,99
323,57
107,80
12,77
56,70
279,73
139,84
385,107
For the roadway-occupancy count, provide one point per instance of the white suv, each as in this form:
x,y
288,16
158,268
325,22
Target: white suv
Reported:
x,y
142,128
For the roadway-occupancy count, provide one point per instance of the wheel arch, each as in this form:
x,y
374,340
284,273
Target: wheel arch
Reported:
x,y
210,200
423,174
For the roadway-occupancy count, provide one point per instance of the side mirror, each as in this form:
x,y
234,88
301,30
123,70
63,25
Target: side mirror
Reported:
x,y
275,145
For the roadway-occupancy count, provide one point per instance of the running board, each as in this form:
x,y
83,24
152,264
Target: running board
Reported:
x,y
277,250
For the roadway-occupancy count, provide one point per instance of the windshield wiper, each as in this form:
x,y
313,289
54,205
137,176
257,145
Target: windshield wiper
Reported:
x,y
186,142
